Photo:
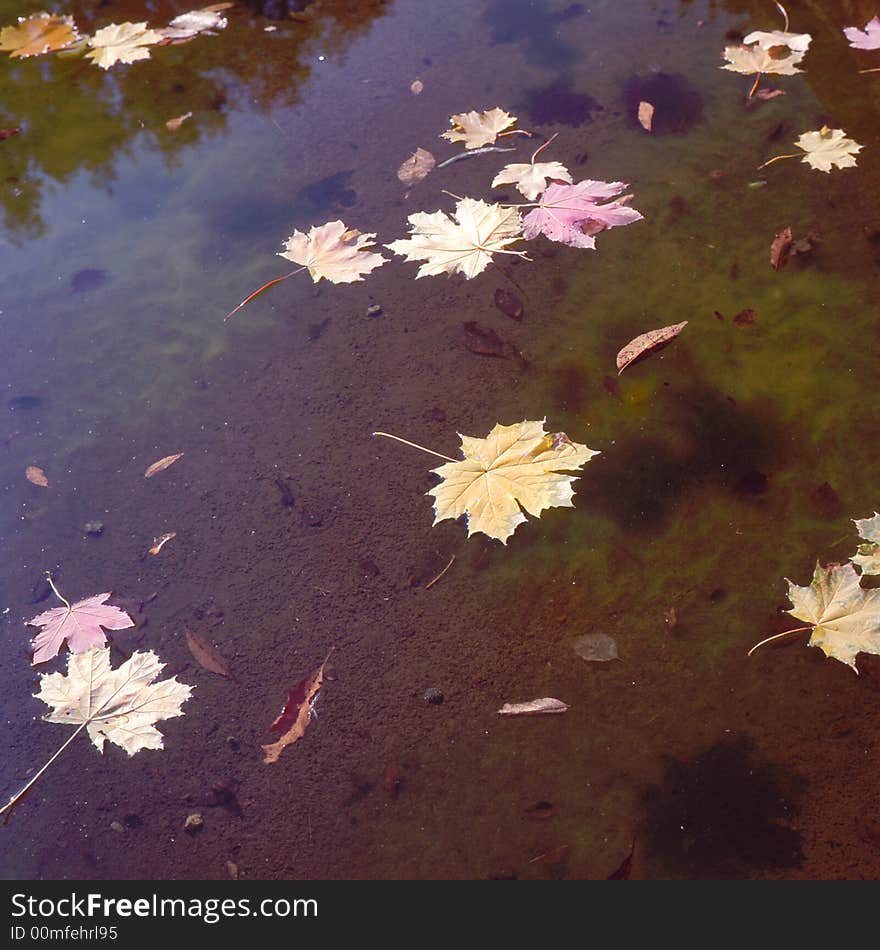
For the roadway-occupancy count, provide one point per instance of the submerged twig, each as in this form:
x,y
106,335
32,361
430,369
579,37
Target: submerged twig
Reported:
x,y
441,574
473,153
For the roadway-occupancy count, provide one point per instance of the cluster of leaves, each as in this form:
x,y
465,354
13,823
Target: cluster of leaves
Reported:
x,y
43,33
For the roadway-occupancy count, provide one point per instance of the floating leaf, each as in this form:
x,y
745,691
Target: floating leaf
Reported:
x,y
646,116
868,558
464,243
36,476
780,248
797,42
535,707
187,26
80,624
162,464
478,128
531,179
122,43
174,124
647,342
296,715
827,147
749,60
334,252
866,38
37,34
514,468
206,655
571,214
161,541
418,166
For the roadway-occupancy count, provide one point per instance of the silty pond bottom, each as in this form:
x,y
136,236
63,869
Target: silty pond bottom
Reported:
x,y
732,459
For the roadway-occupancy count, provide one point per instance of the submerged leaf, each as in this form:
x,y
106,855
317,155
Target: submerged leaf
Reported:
x,y
121,706
464,243
646,342
36,476
596,647
514,468
80,624
478,128
334,252
535,707
162,464
296,715
418,166
122,43
206,655
37,34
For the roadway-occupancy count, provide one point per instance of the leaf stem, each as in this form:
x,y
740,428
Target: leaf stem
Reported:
x,y
259,290
876,69
778,159
535,155
441,574
784,13
56,592
515,132
754,88
777,636
415,445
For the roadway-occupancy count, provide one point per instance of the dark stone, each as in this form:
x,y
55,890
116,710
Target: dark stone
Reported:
x,y
433,696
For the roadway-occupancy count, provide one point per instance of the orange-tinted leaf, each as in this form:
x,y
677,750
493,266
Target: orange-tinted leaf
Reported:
x,y
174,124
206,655
294,718
780,248
161,541
646,116
646,343
37,34
162,464
36,476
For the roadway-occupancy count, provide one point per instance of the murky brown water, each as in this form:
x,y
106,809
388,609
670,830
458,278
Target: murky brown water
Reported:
x,y
124,245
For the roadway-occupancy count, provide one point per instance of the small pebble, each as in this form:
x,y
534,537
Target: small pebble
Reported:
x,y
232,742
94,528
433,696
193,823
374,311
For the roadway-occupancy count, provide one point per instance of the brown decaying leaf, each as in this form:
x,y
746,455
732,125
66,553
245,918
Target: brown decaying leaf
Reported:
x,y
508,303
206,655
780,248
162,464
646,116
646,343
769,93
546,706
36,476
416,167
174,124
161,541
294,718
745,318
8,133
483,341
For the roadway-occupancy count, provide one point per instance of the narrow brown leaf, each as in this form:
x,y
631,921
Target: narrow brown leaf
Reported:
x,y
780,248
646,116
162,464
647,343
161,541
296,714
536,707
206,655
36,476
174,124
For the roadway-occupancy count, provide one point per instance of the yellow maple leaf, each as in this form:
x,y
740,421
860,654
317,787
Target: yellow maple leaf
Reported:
x,y
40,33
333,251
122,43
845,617
464,245
514,468
753,59
827,147
868,558
476,129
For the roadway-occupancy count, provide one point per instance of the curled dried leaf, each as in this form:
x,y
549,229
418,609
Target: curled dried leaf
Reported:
x,y
647,343
162,464
546,706
36,476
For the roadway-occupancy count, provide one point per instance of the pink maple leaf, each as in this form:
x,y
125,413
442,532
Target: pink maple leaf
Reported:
x,y
80,624
868,38
572,214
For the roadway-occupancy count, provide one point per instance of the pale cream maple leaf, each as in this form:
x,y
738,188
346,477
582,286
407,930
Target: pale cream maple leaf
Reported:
x,y
531,179
827,147
80,624
464,245
514,468
753,59
187,26
845,616
476,129
333,251
121,706
798,42
868,558
122,43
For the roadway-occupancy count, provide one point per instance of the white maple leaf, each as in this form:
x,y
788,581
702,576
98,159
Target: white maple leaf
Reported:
x,y
753,59
122,43
827,147
121,706
187,26
531,179
465,244
476,129
798,42
868,558
333,251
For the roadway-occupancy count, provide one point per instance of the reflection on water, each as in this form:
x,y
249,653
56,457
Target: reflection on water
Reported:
x,y
730,460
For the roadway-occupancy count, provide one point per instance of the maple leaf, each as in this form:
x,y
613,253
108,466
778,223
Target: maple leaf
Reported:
x,y
571,214
866,38
868,558
753,59
187,26
80,624
40,33
845,617
122,43
121,706
514,468
465,244
827,147
334,252
531,179
797,42
476,129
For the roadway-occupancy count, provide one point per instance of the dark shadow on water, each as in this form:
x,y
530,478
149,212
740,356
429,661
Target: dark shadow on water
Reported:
x,y
678,106
557,103
536,27
718,815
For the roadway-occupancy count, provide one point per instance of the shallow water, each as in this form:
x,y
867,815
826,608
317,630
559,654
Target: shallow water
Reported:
x,y
123,246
